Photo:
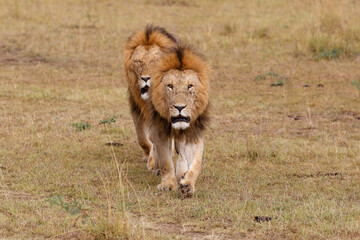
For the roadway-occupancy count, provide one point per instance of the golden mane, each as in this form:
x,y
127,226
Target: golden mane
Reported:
x,y
181,57
150,36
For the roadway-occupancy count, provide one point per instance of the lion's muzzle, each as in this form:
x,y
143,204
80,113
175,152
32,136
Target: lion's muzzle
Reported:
x,y
144,87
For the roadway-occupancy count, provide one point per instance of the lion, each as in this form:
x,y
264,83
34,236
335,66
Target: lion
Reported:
x,y
179,110
142,50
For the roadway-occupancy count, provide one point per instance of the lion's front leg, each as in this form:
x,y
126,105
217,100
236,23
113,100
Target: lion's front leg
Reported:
x,y
182,165
163,157
152,164
193,153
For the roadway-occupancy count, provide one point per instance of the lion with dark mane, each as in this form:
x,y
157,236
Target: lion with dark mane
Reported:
x,y
179,109
142,50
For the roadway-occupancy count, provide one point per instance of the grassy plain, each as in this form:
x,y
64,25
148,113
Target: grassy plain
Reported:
x,y
290,152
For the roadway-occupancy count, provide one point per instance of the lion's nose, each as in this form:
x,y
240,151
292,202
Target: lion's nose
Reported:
x,y
145,79
180,107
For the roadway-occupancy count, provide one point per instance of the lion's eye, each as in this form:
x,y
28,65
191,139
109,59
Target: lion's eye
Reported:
x,y
137,62
190,86
170,86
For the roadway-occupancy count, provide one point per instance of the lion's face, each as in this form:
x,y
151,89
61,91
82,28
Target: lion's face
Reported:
x,y
181,88
142,60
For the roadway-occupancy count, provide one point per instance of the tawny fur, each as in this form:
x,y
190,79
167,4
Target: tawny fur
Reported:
x,y
148,40
148,37
182,58
181,77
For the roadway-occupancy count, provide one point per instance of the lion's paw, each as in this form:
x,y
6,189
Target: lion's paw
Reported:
x,y
157,172
187,188
167,185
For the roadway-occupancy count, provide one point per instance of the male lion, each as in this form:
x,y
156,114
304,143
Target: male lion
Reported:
x,y
142,50
179,107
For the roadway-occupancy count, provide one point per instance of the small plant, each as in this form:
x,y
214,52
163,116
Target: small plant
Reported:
x,y
109,120
260,77
263,76
327,54
229,29
273,74
261,33
253,155
356,83
75,208
80,126
279,83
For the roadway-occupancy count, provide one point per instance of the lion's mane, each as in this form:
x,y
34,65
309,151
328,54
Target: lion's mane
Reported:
x,y
182,57
151,35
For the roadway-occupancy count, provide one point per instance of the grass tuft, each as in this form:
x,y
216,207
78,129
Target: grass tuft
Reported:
x,y
81,126
261,33
109,120
74,208
269,74
330,30
328,54
279,83
229,29
357,85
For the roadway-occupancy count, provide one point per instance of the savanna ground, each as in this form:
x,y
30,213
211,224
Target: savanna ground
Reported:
x,y
289,151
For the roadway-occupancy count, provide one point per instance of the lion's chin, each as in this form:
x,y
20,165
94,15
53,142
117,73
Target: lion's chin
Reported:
x,y
180,122
145,96
144,92
180,125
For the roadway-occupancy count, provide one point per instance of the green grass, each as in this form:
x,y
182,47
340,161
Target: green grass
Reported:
x,y
356,84
327,54
80,126
290,153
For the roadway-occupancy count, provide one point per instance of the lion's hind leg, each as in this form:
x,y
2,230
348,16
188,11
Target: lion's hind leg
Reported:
x,y
152,164
142,132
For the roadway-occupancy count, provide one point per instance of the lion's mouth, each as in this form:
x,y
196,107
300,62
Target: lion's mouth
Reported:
x,y
144,89
180,119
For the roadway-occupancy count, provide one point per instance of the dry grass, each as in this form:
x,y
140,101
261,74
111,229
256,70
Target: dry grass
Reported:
x,y
288,152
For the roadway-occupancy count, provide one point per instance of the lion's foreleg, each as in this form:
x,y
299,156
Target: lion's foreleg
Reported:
x,y
193,152
182,165
163,157
174,151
